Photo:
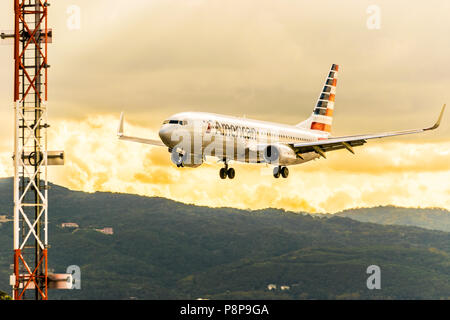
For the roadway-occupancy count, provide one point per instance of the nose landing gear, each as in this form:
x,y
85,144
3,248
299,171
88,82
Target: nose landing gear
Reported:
x,y
280,170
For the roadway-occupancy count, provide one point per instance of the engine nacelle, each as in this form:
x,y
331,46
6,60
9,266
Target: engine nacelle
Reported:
x,y
279,154
186,159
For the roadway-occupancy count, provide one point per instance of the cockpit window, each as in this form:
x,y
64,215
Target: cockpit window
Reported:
x,y
180,122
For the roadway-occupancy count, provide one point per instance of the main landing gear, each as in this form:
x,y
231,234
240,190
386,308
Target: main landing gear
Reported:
x,y
283,171
227,172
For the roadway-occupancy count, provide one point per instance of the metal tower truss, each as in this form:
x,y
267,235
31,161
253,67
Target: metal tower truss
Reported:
x,y
31,157
31,37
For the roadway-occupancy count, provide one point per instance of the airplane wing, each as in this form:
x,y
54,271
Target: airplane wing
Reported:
x,y
136,139
348,142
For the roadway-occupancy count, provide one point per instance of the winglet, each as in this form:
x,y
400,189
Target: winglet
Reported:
x,y
438,122
120,128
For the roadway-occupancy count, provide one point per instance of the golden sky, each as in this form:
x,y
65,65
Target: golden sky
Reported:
x,y
266,59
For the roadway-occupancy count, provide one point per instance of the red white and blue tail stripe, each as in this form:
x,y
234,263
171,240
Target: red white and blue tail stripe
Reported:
x,y
322,116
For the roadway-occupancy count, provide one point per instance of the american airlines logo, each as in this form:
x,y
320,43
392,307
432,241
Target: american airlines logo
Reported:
x,y
231,130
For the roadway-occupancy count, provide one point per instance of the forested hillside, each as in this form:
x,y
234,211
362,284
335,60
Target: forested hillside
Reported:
x,y
161,249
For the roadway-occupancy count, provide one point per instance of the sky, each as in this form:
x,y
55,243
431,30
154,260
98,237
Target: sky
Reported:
x,y
265,59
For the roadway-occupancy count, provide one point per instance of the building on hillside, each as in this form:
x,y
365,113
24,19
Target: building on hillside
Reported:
x,y
272,287
106,230
69,225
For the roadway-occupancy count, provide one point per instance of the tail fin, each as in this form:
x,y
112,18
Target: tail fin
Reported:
x,y
322,116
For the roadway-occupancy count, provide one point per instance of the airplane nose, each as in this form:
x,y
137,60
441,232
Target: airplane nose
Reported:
x,y
164,133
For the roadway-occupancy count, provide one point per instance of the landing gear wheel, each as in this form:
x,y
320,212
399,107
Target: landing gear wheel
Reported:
x,y
231,173
276,172
223,173
177,158
285,172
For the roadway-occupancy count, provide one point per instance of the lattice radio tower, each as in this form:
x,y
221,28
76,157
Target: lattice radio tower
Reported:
x,y
31,35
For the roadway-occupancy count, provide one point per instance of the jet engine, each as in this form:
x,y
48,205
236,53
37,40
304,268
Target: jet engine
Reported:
x,y
279,154
186,159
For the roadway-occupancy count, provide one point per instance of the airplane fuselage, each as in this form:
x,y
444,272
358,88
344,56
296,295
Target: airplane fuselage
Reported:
x,y
232,138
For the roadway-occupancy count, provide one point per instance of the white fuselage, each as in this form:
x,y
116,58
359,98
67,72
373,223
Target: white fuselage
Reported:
x,y
232,138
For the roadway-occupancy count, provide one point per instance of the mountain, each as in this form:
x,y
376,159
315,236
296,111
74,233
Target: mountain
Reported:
x,y
162,249
4,296
434,218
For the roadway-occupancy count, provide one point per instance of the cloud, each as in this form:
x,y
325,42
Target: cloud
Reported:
x,y
411,174
266,59
377,157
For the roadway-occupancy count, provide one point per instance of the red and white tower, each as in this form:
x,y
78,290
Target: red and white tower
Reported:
x,y
31,37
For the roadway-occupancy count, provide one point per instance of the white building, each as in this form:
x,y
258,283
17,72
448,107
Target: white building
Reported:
x,y
69,225
107,230
272,287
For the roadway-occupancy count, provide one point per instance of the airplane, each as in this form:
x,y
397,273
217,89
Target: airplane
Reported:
x,y
191,136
